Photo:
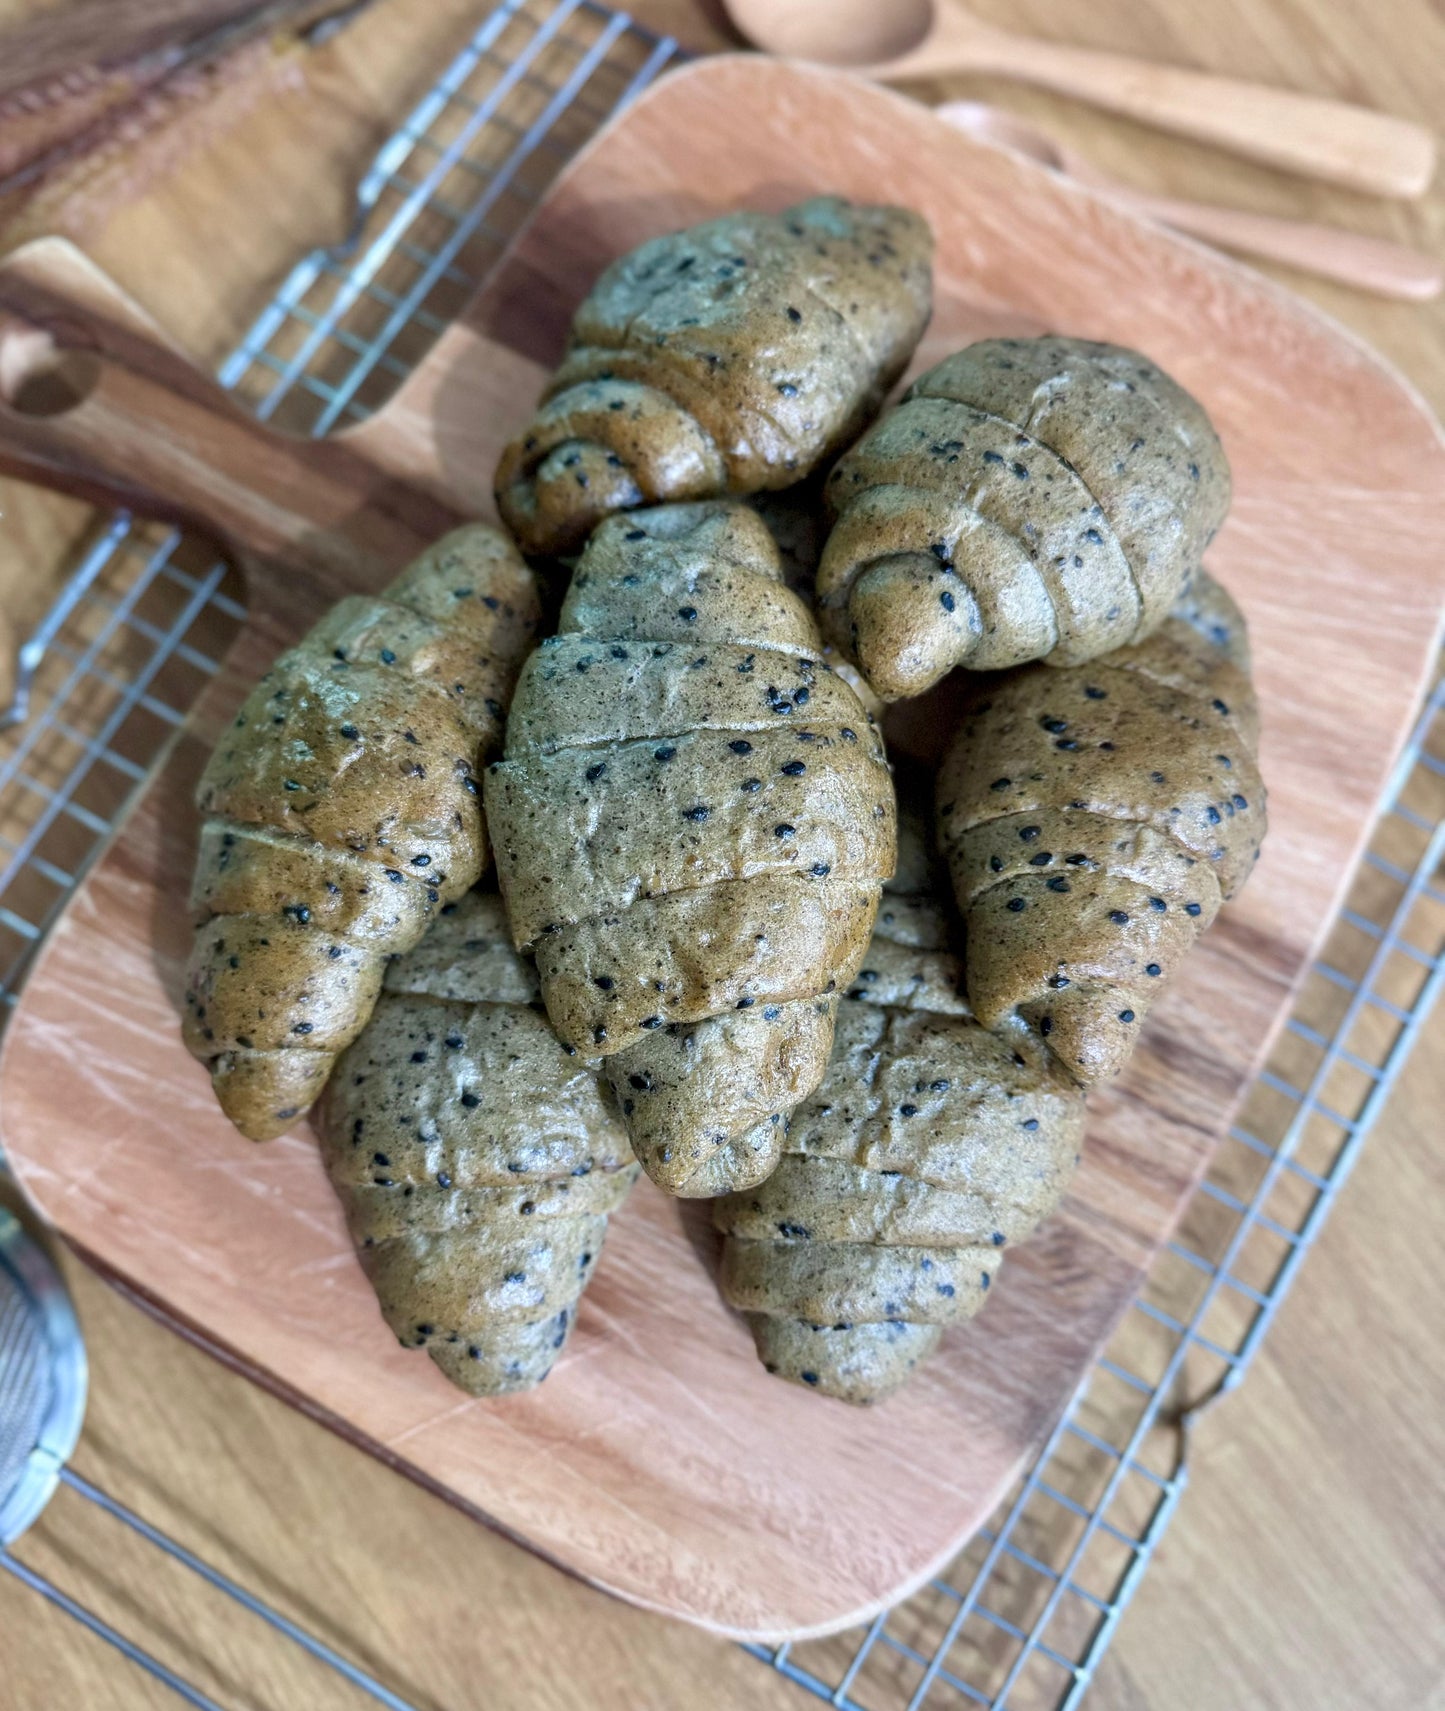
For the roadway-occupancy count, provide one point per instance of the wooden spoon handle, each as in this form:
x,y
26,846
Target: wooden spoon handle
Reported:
x,y
94,399
1372,264
1307,134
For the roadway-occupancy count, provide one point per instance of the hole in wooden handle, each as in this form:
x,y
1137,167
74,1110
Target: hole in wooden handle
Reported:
x,y
39,375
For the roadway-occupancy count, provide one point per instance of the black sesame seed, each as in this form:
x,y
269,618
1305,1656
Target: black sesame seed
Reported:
x,y
388,657
1016,905
752,784
687,613
947,601
1042,859
820,869
593,773
1029,1123
666,752
1193,909
741,746
746,1003
603,982
1118,917
1000,784
1241,801
1153,969
1126,1015
696,812
1058,883
1158,905
1029,833
784,830
907,1110
443,1180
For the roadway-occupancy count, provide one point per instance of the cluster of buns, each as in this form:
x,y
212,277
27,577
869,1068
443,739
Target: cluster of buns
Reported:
x,y
727,943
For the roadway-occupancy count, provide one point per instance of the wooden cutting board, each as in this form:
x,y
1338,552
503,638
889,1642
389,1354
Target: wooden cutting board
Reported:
x,y
659,1461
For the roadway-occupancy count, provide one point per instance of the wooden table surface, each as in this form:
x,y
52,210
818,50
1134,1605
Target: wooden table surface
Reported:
x,y
1304,1567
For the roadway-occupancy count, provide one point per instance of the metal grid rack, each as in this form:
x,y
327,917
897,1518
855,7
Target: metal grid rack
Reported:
x,y
1022,1618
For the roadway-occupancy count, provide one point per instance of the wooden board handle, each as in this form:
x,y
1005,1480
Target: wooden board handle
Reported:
x,y
95,400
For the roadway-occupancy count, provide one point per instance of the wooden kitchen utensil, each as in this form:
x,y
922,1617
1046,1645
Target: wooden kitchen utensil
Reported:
x,y
905,39
659,1460
1370,264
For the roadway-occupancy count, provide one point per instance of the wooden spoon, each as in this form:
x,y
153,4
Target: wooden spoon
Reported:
x,y
894,40
1371,264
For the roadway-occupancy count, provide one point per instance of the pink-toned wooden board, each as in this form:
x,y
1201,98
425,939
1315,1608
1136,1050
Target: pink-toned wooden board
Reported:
x,y
659,1461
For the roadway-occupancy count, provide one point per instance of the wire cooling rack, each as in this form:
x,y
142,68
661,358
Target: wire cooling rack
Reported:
x,y
1023,1616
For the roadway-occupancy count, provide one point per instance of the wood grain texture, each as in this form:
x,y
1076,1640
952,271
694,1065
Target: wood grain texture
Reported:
x,y
1286,391
1325,139
143,428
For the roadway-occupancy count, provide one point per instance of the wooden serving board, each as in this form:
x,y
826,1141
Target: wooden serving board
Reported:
x,y
659,1461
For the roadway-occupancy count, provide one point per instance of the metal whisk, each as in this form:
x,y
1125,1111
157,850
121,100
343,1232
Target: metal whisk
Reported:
x,y
42,1379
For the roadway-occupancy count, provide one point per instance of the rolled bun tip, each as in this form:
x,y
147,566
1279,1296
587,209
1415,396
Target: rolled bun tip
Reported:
x,y
1087,1034
911,621
738,1164
508,1359
857,1364
265,1094
554,506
